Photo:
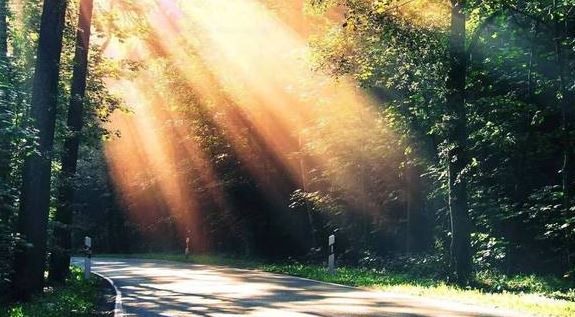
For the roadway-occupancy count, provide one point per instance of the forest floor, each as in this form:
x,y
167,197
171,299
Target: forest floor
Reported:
x,y
542,296
78,297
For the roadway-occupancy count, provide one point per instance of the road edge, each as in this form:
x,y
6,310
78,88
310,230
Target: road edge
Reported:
x,y
433,301
118,307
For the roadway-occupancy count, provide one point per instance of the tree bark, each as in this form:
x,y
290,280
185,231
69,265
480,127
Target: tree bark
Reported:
x,y
60,259
5,140
567,114
35,194
303,173
419,235
4,28
457,155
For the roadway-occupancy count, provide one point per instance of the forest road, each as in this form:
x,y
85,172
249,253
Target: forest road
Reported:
x,y
165,288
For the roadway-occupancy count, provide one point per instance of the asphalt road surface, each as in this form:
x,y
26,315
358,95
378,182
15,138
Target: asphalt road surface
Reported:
x,y
164,288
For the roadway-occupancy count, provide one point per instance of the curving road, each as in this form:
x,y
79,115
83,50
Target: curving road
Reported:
x,y
164,288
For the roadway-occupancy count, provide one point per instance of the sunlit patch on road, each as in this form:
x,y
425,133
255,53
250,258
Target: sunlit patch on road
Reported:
x,y
163,288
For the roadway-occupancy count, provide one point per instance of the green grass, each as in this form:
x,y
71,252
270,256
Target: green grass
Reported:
x,y
536,296
543,296
76,298
199,259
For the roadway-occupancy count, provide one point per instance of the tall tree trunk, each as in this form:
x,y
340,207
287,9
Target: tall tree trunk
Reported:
x,y
457,156
567,108
419,232
6,137
4,28
35,194
60,259
303,173
5,140
567,113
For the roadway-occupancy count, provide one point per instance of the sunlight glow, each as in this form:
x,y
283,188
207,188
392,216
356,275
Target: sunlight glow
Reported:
x,y
250,73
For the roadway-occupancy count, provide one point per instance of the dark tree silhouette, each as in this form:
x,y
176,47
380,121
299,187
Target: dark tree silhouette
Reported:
x,y
35,194
4,111
457,156
60,258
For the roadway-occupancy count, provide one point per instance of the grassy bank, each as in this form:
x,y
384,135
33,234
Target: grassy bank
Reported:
x,y
77,298
544,296
528,294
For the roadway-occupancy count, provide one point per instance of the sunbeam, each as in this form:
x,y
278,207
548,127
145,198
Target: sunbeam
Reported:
x,y
249,73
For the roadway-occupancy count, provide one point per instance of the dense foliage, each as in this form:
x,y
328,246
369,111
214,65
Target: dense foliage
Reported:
x,y
519,100
80,297
218,165
19,138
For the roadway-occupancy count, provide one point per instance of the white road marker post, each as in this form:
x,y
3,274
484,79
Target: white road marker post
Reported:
x,y
331,258
88,258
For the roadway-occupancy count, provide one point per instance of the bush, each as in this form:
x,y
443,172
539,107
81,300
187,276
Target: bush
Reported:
x,y
76,298
489,253
7,244
416,265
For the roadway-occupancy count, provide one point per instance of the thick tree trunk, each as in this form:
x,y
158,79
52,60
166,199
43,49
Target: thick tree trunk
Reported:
x,y
60,259
567,115
35,194
457,160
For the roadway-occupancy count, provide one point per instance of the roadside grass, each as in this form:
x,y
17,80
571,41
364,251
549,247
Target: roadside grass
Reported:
x,y
76,298
529,294
535,295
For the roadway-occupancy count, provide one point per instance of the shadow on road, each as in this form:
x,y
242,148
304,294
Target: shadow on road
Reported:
x,y
162,288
